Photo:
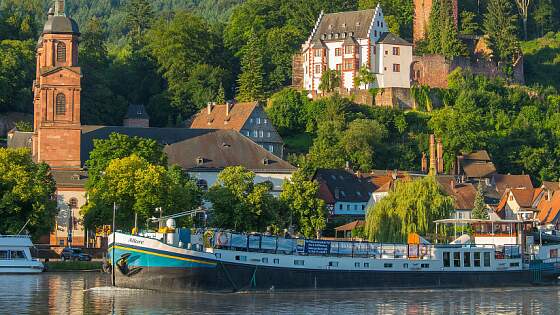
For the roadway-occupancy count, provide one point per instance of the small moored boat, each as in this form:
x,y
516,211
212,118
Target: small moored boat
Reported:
x,y
15,255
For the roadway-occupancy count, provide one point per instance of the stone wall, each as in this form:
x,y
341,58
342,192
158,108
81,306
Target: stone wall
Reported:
x,y
297,70
398,98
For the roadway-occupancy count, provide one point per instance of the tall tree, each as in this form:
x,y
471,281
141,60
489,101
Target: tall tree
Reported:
x,y
139,17
251,80
361,142
26,193
442,32
411,207
500,26
330,80
307,212
523,7
479,211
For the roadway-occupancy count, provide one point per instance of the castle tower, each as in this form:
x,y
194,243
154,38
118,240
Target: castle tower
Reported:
x,y
422,11
57,88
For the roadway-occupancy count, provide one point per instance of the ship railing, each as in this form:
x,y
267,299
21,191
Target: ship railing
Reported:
x,y
312,247
14,236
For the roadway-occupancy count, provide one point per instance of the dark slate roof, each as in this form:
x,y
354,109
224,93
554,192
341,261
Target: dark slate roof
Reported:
x,y
19,139
197,149
480,155
356,23
392,39
136,111
57,24
69,179
344,185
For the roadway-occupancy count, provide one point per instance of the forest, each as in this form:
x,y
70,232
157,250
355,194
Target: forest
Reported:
x,y
175,56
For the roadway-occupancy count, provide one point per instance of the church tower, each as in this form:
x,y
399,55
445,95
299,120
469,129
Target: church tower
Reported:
x,y
57,87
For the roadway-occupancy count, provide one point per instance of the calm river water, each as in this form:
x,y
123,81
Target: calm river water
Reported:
x,y
88,293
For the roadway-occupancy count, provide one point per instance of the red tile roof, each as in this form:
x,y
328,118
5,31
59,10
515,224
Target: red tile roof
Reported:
x,y
218,119
503,182
549,209
350,226
552,186
463,194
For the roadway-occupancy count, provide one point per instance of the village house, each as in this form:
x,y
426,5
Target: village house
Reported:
x,y
463,195
519,204
347,41
249,119
60,140
549,209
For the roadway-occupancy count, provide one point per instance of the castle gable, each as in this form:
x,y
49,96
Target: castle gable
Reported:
x,y
337,26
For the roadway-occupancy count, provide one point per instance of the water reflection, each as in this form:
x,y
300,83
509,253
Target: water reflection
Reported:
x,y
66,293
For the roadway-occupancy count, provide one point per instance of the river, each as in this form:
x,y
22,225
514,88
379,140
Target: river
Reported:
x,y
89,293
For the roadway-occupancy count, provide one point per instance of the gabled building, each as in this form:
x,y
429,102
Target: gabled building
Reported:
x,y
549,210
519,204
249,119
463,195
346,41
476,165
343,192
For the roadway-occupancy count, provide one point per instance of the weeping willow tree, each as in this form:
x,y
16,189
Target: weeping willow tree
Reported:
x,y
411,206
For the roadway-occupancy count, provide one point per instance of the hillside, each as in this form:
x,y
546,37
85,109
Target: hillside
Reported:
x,y
542,60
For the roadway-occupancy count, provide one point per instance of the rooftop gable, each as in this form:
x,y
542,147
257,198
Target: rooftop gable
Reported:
x,y
345,24
216,116
392,39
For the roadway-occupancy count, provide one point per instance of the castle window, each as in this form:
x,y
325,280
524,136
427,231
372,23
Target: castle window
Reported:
x,y
338,52
349,49
61,52
396,67
60,104
396,51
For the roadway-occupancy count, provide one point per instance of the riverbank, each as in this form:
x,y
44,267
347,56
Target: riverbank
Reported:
x,y
62,266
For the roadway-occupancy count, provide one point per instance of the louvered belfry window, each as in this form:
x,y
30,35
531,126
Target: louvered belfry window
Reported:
x,y
61,52
60,104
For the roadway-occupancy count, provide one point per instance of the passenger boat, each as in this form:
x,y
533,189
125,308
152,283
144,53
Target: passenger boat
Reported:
x,y
15,255
500,253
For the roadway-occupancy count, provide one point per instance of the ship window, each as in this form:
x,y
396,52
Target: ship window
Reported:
x,y
446,259
299,262
218,255
357,265
425,265
387,265
17,254
366,265
333,263
456,259
276,261
264,260
486,259
241,258
514,264
477,259
60,104
3,254
405,266
467,259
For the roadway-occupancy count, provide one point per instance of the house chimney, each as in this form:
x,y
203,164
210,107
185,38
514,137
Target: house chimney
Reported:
x,y
227,108
452,184
433,161
440,167
209,108
548,195
424,163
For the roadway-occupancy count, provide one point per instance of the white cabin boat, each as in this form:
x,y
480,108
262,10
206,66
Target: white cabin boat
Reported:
x,y
15,255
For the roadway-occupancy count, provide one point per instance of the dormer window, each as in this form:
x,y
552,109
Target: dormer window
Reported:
x,y
199,160
343,24
266,161
61,52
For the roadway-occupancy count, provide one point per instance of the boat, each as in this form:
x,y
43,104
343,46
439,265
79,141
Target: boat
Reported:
x,y
500,253
15,255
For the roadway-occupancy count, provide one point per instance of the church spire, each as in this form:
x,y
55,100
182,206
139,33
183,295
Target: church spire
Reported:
x,y
60,8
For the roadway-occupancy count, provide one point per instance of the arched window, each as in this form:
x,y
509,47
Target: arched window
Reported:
x,y
73,203
61,52
60,104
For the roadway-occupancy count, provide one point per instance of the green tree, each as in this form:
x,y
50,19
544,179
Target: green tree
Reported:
x,y
138,187
327,150
139,16
469,26
239,204
119,146
361,141
442,33
479,211
26,193
330,80
24,126
411,207
16,74
287,110
307,212
500,27
365,78
251,80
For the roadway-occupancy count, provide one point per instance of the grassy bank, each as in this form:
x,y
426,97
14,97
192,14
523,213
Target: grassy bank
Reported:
x,y
73,265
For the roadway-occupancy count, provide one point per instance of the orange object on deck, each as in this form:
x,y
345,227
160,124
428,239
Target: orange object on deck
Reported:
x,y
413,238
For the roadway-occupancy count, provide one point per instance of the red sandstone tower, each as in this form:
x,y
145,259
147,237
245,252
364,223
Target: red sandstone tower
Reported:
x,y
57,88
422,11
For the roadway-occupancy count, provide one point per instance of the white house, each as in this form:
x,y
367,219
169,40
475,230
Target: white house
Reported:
x,y
346,41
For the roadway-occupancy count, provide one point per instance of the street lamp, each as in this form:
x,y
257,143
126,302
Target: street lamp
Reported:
x,y
114,244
